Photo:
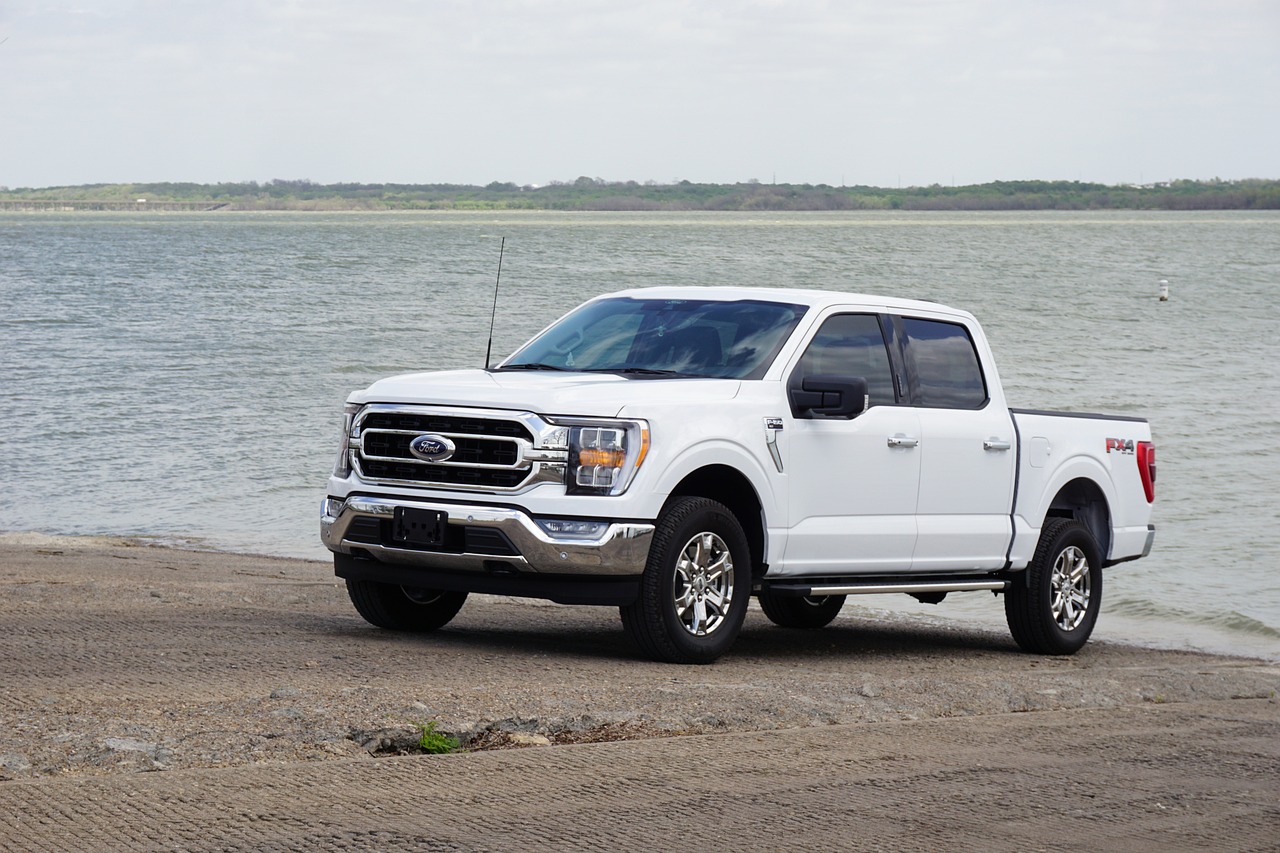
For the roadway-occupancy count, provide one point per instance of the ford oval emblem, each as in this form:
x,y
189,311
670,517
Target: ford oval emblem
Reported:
x,y
432,448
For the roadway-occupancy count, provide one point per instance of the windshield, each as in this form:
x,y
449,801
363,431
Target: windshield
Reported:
x,y
664,337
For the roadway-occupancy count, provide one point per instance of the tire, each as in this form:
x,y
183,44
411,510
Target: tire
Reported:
x,y
809,611
695,587
400,608
1053,609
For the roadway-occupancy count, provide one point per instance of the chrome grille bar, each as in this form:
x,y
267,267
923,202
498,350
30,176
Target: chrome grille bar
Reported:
x,y
497,451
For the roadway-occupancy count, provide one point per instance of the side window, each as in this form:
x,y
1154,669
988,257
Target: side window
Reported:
x,y
946,370
851,345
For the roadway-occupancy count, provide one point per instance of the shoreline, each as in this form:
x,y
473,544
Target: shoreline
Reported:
x,y
588,194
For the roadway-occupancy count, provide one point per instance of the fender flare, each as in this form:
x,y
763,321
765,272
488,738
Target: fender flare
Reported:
x,y
765,500
1075,469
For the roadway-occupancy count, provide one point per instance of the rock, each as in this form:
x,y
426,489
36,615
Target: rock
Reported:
x,y
387,740
158,756
129,744
13,762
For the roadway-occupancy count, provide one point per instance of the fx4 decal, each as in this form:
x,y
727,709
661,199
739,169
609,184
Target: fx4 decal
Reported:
x,y
1120,445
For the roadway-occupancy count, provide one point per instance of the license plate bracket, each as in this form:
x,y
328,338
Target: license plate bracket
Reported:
x,y
422,527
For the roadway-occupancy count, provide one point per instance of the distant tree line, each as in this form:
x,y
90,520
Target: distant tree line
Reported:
x,y
587,193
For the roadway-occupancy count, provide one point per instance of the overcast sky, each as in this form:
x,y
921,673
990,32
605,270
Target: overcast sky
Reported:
x,y
880,92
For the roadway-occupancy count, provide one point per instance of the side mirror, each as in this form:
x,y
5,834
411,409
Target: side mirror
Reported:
x,y
828,396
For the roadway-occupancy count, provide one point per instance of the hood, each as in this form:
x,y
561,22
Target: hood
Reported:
x,y
585,394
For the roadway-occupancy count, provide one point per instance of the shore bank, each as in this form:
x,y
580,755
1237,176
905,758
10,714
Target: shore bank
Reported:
x,y
120,657
277,717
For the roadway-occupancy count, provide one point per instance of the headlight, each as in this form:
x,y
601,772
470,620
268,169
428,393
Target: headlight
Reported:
x,y
342,466
604,455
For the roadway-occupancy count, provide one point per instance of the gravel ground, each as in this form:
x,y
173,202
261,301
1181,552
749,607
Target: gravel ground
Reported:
x,y
118,657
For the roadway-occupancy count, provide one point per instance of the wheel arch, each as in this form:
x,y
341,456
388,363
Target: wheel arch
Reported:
x,y
729,486
1084,500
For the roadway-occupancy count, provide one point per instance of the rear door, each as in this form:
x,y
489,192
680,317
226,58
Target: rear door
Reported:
x,y
967,450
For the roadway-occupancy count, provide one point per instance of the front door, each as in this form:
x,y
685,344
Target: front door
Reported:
x,y
853,506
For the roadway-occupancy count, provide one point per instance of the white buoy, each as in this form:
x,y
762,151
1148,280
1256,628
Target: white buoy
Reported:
x,y
1164,290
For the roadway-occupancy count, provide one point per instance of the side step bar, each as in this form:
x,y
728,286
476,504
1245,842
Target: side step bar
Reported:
x,y
871,587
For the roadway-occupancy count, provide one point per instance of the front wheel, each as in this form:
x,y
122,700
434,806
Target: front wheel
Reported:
x,y
694,591
404,608
808,611
1052,610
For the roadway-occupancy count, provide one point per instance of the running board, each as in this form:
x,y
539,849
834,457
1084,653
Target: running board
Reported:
x,y
875,587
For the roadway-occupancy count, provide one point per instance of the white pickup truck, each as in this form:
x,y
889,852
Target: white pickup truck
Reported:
x,y
673,451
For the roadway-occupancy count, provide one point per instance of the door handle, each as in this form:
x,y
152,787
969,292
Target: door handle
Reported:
x,y
994,443
901,440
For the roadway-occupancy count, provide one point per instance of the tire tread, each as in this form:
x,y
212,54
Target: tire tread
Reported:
x,y
386,606
1026,606
643,621
792,612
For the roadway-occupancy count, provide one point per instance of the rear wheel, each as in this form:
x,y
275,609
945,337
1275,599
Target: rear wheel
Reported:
x,y
792,611
1052,610
693,595
404,608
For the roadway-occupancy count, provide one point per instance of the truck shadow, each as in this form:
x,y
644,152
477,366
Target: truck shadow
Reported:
x,y
600,636
865,637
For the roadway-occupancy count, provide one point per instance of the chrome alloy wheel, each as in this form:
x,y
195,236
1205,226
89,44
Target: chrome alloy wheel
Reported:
x,y
703,584
1070,588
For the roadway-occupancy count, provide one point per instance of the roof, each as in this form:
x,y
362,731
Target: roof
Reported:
x,y
812,298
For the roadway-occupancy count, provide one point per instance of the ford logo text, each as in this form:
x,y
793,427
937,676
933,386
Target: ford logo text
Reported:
x,y
432,448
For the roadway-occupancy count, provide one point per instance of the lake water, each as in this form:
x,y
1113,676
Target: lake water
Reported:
x,y
180,375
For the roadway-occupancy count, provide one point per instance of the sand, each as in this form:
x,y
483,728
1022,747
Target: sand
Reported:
x,y
118,658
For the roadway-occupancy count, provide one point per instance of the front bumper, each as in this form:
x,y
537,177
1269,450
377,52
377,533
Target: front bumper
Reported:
x,y
482,540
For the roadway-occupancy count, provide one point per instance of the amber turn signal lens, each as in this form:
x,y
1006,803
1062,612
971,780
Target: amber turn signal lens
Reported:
x,y
590,457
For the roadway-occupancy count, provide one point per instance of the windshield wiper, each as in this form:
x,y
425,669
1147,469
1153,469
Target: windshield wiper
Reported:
x,y
633,371
536,365
640,371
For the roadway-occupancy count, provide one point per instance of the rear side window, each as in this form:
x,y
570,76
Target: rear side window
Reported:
x,y
851,345
945,371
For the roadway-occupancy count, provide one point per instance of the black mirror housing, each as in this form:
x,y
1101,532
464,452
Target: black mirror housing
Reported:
x,y
829,396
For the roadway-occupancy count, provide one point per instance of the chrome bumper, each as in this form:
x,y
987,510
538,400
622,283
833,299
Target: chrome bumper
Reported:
x,y
621,550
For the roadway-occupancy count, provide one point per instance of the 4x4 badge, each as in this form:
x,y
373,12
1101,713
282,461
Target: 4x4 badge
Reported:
x,y
773,426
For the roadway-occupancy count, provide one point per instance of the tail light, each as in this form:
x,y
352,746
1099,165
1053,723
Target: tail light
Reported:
x,y
1147,468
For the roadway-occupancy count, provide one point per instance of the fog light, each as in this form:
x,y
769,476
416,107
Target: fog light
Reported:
x,y
568,528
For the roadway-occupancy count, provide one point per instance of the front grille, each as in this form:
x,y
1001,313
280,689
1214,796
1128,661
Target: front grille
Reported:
x,y
421,472
486,540
471,451
365,528
446,424
488,451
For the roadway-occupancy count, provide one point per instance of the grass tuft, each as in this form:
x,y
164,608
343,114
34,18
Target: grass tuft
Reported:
x,y
434,742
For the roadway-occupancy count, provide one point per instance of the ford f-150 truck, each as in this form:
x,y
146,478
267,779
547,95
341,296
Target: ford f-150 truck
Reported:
x,y
674,451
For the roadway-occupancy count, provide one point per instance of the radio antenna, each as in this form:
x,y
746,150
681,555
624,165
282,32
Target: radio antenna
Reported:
x,y
489,349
